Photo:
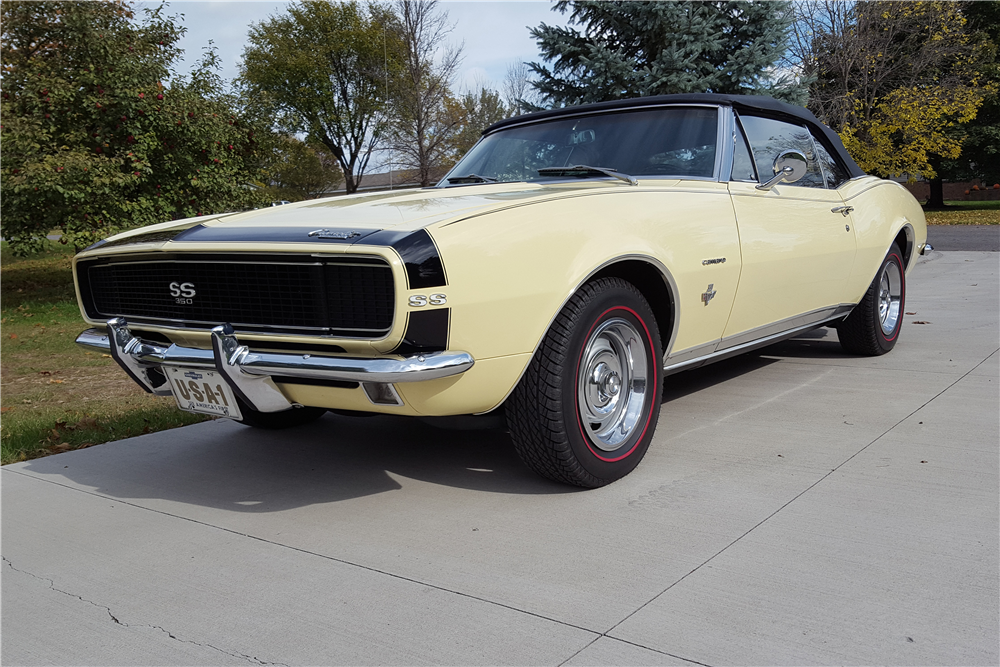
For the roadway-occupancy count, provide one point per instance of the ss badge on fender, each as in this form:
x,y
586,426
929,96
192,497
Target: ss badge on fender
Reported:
x,y
419,300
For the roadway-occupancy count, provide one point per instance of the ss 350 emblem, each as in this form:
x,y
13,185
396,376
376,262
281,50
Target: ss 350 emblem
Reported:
x,y
182,292
420,300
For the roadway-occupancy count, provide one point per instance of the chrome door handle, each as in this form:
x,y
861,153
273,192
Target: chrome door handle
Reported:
x,y
846,210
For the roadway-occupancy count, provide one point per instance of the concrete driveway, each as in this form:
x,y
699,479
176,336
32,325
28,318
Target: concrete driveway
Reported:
x,y
798,506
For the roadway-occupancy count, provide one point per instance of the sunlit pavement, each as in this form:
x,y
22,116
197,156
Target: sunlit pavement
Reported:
x,y
797,506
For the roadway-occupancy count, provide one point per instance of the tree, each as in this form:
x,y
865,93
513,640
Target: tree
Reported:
x,y
422,128
980,156
634,49
518,94
323,69
893,78
476,112
94,141
300,171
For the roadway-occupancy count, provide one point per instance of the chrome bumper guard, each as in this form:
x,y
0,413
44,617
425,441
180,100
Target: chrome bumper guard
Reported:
x,y
249,373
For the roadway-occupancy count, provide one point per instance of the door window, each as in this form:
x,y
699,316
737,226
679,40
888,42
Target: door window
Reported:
x,y
833,173
769,138
742,160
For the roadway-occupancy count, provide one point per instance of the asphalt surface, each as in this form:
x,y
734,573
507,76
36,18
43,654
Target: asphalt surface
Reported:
x,y
797,506
964,237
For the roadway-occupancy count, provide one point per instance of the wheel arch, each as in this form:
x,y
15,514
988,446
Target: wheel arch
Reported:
x,y
655,283
653,280
906,240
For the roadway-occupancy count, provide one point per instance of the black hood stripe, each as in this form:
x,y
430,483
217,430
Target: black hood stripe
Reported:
x,y
424,267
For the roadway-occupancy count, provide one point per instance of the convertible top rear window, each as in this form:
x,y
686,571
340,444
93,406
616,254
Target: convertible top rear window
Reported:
x,y
678,141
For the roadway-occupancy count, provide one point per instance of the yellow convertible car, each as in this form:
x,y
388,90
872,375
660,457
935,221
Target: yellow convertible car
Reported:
x,y
566,265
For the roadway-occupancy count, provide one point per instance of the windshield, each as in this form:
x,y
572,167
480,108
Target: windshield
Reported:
x,y
674,141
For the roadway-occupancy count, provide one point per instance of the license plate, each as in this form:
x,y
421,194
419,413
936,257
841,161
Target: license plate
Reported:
x,y
202,391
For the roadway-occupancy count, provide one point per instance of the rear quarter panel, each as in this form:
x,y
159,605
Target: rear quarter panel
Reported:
x,y
881,210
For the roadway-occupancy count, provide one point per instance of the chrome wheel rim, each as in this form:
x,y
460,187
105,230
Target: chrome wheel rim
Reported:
x,y
890,293
611,385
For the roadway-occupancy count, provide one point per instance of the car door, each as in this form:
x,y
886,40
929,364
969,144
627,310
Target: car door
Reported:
x,y
796,239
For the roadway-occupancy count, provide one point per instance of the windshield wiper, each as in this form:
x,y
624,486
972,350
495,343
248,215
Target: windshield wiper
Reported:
x,y
585,170
471,178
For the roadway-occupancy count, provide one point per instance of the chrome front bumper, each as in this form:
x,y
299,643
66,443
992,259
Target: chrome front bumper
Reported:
x,y
249,373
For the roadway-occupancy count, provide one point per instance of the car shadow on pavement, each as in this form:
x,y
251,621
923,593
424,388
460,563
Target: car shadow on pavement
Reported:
x,y
692,381
229,466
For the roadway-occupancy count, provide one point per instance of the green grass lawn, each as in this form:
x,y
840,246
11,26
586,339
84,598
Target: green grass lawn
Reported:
x,y
56,395
966,213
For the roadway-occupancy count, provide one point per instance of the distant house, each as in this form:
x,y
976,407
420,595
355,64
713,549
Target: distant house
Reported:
x,y
402,179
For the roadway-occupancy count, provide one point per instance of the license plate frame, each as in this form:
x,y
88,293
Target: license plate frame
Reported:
x,y
202,392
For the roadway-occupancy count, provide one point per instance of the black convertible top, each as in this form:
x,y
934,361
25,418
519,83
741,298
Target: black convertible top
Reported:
x,y
767,105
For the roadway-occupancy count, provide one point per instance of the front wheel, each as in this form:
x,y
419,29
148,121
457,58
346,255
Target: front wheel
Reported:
x,y
873,326
585,411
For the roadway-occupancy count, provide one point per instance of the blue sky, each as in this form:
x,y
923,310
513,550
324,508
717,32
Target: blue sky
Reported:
x,y
495,33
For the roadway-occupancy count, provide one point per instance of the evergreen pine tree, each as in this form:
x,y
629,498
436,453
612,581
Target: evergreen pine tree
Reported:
x,y
634,49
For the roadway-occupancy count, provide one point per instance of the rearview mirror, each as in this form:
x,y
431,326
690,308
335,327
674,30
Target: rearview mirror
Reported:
x,y
789,167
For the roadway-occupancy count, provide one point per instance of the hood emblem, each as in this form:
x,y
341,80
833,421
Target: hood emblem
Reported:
x,y
330,234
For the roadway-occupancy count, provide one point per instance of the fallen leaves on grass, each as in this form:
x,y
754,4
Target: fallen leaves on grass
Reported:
x,y
85,423
65,447
960,217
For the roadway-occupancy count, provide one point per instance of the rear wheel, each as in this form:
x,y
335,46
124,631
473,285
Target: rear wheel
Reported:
x,y
873,326
585,411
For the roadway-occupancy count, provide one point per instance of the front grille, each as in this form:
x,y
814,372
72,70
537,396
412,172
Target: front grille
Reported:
x,y
343,296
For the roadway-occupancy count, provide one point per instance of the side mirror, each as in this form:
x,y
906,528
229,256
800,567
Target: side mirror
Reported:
x,y
789,167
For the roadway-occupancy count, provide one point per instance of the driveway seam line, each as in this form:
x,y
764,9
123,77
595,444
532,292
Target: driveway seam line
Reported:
x,y
310,553
799,495
631,643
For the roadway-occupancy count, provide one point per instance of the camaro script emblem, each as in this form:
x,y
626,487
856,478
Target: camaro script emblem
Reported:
x,y
327,234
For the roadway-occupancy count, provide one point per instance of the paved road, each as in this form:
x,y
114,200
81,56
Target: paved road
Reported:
x,y
797,506
964,237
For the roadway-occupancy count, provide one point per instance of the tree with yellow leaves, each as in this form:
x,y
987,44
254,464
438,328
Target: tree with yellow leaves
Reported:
x,y
893,78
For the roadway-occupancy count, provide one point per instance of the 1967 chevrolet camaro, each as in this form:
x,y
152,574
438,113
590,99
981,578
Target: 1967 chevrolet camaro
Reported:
x,y
570,261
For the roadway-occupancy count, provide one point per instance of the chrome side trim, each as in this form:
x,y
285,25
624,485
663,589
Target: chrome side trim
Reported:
x,y
249,372
696,352
805,319
732,349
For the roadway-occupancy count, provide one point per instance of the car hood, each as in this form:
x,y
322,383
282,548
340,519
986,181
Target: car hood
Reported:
x,y
350,219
